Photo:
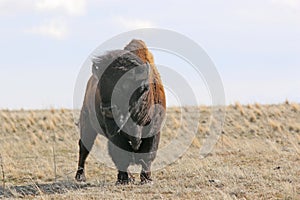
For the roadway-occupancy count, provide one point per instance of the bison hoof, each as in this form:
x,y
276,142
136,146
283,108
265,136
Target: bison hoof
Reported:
x,y
80,177
122,182
124,179
146,181
145,178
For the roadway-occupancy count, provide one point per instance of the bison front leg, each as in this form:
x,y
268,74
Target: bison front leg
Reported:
x,y
88,136
124,178
146,155
120,152
145,175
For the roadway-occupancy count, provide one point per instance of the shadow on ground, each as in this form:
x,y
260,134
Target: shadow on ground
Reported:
x,y
39,189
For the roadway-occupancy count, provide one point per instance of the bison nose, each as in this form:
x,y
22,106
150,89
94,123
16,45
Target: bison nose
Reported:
x,y
135,144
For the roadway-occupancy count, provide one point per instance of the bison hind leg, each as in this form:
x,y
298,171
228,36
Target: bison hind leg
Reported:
x,y
83,153
80,175
88,136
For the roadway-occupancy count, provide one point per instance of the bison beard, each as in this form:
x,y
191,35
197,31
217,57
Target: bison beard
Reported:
x,y
133,132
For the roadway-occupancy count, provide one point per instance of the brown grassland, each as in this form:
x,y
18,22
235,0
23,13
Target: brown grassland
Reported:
x,y
256,157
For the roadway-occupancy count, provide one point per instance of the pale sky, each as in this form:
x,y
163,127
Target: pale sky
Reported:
x,y
255,45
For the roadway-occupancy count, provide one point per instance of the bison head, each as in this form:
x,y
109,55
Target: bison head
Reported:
x,y
123,85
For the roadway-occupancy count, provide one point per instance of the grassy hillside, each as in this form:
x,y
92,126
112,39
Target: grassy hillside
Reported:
x,y
256,157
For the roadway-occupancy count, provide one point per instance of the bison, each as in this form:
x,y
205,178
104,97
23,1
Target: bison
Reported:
x,y
125,102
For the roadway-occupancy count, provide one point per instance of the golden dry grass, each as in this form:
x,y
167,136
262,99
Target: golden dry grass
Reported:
x,y
256,157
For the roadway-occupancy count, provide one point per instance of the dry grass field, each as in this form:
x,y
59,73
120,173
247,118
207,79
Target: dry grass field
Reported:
x,y
256,157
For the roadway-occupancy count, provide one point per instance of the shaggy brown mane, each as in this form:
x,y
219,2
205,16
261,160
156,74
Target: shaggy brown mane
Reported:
x,y
139,48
